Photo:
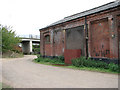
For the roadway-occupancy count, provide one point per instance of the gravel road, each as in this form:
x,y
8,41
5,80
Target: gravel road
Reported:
x,y
23,73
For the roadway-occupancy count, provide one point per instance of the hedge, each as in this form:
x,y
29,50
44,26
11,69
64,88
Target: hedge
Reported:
x,y
83,62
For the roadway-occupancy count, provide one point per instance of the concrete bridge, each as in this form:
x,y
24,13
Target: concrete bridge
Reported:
x,y
27,43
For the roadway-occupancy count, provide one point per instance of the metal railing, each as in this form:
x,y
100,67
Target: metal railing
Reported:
x,y
30,36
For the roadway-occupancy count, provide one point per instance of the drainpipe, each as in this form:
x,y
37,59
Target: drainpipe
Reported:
x,y
86,36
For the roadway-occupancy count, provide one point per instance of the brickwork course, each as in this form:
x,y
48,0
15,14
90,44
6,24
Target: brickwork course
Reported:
x,y
93,33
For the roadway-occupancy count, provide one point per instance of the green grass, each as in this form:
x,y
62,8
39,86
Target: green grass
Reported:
x,y
80,68
3,85
47,61
0,85
92,69
88,63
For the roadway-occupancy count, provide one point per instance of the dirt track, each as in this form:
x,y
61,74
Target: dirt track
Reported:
x,y
23,73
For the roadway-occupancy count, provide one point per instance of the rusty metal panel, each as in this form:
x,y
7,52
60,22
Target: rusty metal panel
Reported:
x,y
71,54
75,38
100,47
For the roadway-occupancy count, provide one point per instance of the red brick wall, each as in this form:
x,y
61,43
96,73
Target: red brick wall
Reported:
x,y
58,49
48,49
101,27
96,38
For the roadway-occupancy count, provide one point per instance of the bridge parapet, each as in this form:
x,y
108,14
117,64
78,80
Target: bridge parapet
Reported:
x,y
30,36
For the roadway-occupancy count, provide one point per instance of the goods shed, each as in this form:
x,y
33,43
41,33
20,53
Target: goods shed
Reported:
x,y
93,33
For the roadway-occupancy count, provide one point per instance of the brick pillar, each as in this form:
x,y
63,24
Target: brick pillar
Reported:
x,y
89,39
52,42
86,38
113,37
64,39
41,43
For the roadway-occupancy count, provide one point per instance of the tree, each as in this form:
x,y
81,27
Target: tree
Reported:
x,y
0,40
9,39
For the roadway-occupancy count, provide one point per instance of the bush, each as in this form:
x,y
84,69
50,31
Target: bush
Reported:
x,y
101,64
36,60
36,49
9,39
79,62
52,61
61,58
114,67
83,62
39,55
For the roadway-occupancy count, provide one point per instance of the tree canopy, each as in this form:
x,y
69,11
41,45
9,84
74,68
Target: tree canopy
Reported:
x,y
9,38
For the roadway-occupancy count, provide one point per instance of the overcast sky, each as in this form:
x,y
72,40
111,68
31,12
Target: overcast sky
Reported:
x,y
28,16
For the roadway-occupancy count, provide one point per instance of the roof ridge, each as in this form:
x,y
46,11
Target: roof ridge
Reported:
x,y
87,12
92,9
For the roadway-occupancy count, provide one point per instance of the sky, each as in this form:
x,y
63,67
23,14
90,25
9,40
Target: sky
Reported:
x,y
28,16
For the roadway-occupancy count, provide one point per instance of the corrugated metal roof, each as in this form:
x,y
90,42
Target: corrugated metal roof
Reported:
x,y
86,13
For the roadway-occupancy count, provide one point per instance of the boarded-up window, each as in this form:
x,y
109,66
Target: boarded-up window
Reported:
x,y
58,44
75,38
47,38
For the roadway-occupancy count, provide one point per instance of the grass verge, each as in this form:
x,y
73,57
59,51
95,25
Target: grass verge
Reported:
x,y
56,62
3,85
0,85
79,68
92,69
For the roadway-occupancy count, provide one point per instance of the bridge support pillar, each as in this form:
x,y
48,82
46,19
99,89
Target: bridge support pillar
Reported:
x,y
27,45
30,46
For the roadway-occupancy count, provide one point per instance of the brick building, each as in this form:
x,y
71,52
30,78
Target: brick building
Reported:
x,y
93,33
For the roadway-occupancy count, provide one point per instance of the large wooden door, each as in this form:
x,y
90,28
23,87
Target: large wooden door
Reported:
x,y
118,22
100,47
58,43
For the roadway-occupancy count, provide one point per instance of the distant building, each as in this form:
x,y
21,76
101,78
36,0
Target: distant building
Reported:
x,y
93,33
